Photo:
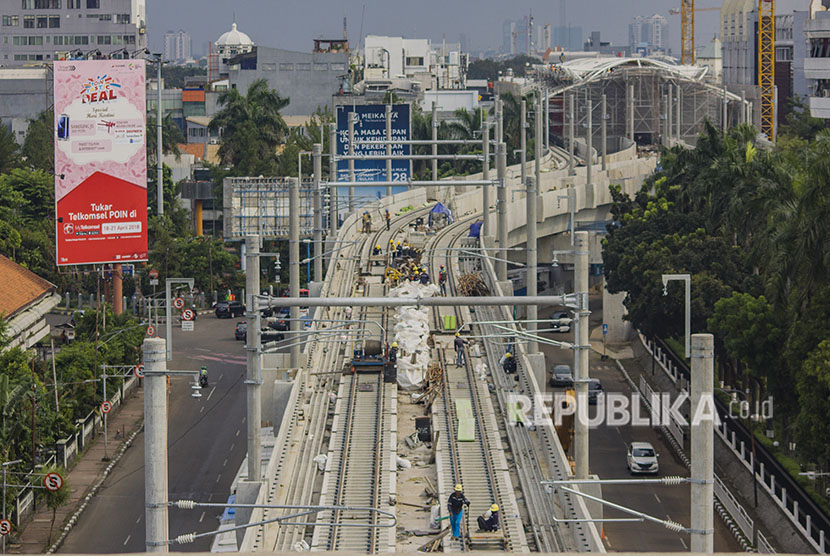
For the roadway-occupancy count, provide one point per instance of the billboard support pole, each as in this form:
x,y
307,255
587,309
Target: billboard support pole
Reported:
x,y
117,290
435,138
351,160
159,167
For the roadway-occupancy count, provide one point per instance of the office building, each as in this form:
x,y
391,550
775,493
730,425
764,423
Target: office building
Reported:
x,y
177,46
648,35
568,38
37,31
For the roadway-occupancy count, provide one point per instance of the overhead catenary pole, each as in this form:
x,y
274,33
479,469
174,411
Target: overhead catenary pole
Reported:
x,y
351,160
434,138
499,120
294,264
604,134
317,159
523,142
547,122
332,180
571,116
581,354
630,111
485,175
677,117
702,432
670,112
531,276
501,264
254,340
159,168
389,149
589,157
155,445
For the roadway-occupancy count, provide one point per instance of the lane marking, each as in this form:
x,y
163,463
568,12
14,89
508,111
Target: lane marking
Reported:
x,y
139,519
223,374
126,540
232,445
657,497
219,476
212,390
201,409
237,432
243,420
224,463
202,517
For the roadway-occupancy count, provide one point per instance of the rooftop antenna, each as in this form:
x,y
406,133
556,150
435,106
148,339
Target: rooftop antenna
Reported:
x,y
362,13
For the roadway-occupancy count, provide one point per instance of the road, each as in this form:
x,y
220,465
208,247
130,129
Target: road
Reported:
x,y
608,446
207,443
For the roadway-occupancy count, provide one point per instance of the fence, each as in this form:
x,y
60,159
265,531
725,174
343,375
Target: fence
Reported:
x,y
67,449
737,438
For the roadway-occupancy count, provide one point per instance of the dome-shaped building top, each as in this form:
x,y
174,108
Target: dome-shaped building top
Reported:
x,y
234,38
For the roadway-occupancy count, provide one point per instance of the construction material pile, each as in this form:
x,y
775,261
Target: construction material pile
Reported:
x,y
434,384
472,285
412,333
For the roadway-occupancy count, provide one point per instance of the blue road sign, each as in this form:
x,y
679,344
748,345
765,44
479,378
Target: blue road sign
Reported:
x,y
604,328
371,126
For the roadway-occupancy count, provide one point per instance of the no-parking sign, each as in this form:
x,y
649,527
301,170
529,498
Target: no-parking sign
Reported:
x,y
151,330
5,527
178,303
106,407
53,482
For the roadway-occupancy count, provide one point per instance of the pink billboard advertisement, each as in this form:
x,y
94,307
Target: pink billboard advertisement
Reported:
x,y
100,161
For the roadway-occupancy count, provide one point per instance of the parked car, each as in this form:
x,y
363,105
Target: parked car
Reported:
x,y
561,376
281,323
594,390
229,309
241,331
561,327
641,458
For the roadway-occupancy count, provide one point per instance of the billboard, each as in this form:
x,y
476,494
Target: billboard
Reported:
x,y
371,126
100,161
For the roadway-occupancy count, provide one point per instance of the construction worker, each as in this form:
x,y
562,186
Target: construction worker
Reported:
x,y
459,344
442,280
393,352
391,245
398,249
376,250
508,363
424,277
388,218
455,504
490,520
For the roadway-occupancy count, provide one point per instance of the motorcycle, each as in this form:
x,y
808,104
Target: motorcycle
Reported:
x,y
203,378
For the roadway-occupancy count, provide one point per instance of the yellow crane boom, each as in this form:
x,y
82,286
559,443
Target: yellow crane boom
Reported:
x,y
766,65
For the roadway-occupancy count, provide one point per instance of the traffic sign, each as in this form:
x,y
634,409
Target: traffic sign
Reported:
x,y
138,371
153,273
52,481
106,407
154,282
151,330
187,326
178,303
5,527
188,314
604,328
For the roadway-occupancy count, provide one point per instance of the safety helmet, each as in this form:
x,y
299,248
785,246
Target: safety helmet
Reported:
x,y
394,344
392,241
508,354
458,333
494,508
378,245
458,487
398,243
204,368
442,266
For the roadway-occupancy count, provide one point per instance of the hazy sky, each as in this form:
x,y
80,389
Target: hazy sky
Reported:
x,y
292,24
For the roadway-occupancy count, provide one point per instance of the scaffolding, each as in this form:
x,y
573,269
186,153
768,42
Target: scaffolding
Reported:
x,y
260,206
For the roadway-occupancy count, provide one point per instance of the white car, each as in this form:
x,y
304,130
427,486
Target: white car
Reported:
x,y
641,458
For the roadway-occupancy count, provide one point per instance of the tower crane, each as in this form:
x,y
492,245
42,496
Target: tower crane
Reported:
x,y
687,30
766,65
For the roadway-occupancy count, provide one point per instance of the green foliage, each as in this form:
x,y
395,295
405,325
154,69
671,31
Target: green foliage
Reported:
x,y
174,76
490,69
799,122
9,150
813,422
55,500
39,145
303,140
171,136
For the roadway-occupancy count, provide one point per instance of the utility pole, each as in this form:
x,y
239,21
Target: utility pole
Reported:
x,y
159,170
499,120
604,135
332,179
589,158
351,160
155,445
317,156
389,149
547,124
254,367
702,429
523,142
532,256
501,265
631,112
670,112
434,139
677,119
294,263
571,170
581,353
485,175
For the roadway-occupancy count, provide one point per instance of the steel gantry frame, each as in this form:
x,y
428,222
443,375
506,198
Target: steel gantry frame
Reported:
x,y
766,65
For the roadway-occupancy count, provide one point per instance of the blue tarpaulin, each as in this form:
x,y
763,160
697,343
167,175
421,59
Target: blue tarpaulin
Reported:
x,y
475,229
439,208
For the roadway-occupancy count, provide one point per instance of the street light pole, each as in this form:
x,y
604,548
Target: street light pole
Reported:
x,y
702,429
581,353
688,317
317,154
485,175
294,259
254,359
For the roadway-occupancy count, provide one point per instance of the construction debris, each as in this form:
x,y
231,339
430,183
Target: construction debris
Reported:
x,y
434,381
472,285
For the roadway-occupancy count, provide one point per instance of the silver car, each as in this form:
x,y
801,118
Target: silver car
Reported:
x,y
641,458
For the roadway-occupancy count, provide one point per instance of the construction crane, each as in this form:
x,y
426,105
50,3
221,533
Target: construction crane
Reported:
x,y
766,65
687,29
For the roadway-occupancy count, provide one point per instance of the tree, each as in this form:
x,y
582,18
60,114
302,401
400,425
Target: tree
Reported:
x,y
799,122
813,421
55,500
171,137
251,128
9,150
39,145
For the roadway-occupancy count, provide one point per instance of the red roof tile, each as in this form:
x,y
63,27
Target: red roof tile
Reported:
x,y
19,287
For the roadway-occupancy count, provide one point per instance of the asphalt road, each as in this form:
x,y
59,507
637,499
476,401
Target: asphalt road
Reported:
x,y
608,445
207,443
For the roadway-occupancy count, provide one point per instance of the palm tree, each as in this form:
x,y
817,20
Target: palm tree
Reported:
x,y
250,122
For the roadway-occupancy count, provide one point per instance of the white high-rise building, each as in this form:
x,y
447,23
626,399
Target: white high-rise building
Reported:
x,y
648,34
177,45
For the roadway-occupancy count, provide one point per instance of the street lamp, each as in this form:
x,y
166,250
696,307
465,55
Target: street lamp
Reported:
x,y
687,278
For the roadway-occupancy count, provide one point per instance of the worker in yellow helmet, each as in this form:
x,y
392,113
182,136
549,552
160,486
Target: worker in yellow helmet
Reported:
x,y
376,250
508,363
393,352
490,520
455,505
